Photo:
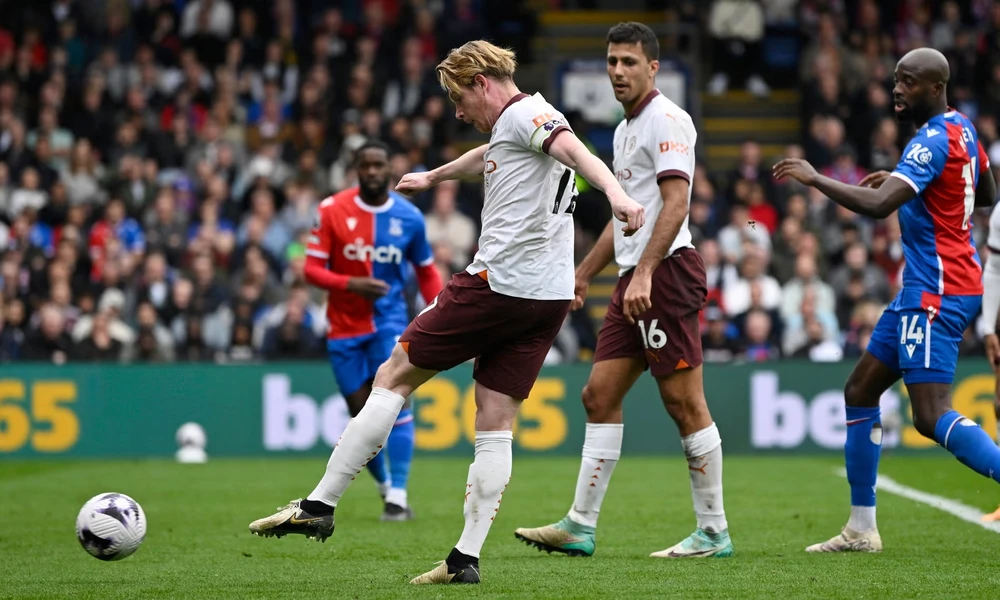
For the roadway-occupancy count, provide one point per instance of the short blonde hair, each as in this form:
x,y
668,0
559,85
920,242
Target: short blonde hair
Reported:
x,y
460,67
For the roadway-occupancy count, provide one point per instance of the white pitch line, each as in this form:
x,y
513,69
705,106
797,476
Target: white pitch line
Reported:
x,y
953,507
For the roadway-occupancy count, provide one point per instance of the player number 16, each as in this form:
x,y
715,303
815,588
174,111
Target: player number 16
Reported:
x,y
651,336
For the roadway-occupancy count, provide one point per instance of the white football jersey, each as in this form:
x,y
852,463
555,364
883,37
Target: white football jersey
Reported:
x,y
993,240
526,246
656,142
991,277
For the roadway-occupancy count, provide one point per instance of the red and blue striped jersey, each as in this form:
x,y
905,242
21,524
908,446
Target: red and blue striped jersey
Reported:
x,y
942,164
360,240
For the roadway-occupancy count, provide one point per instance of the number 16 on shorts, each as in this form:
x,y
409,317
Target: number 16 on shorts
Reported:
x,y
914,340
651,336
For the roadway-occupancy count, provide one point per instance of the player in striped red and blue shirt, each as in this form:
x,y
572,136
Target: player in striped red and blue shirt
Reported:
x,y
942,176
361,249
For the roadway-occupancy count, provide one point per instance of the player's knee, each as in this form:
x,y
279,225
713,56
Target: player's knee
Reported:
x,y
855,394
924,423
601,408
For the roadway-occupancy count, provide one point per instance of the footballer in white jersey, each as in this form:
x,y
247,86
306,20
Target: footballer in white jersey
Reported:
x,y
503,312
655,143
527,241
652,321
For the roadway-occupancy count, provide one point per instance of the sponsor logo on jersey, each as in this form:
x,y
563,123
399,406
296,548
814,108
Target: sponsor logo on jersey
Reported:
x,y
544,118
553,124
395,226
362,252
624,174
919,154
491,165
675,147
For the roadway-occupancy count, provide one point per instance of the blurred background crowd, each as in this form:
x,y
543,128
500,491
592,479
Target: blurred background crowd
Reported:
x,y
161,162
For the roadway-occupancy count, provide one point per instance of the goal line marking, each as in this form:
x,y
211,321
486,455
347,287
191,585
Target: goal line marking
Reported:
x,y
953,507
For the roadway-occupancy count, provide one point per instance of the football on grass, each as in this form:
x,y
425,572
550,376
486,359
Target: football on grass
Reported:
x,y
111,526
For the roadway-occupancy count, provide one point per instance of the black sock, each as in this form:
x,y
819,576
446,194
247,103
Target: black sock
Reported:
x,y
316,507
459,560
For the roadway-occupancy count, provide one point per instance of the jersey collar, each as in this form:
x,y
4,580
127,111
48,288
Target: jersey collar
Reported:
x,y
516,98
374,209
638,107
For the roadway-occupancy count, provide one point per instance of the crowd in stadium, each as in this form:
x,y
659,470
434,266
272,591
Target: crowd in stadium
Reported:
x,y
161,163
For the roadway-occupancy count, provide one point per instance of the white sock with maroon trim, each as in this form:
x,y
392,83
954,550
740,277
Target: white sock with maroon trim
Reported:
x,y
602,447
363,438
489,475
704,455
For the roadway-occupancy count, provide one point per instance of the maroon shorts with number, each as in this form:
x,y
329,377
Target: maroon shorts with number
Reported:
x,y
666,336
509,337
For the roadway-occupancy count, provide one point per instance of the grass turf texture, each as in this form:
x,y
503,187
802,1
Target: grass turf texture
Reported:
x,y
198,546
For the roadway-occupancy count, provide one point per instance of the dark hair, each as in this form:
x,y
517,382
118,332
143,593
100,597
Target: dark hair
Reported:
x,y
372,144
636,33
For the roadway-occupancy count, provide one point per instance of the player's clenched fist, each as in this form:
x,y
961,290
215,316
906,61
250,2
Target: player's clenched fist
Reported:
x,y
414,183
797,169
579,293
630,212
637,297
368,287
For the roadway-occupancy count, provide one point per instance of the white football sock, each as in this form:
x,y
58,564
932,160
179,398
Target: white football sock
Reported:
x,y
363,438
862,518
602,447
383,488
704,455
489,475
396,496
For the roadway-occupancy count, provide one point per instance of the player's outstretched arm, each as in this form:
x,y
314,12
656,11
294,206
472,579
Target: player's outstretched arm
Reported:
x,y
570,151
877,203
467,165
986,191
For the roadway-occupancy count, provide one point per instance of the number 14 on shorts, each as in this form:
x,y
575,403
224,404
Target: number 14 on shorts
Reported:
x,y
651,336
911,333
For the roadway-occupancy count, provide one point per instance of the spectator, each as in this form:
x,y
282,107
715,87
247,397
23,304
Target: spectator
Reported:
x,y
50,342
737,30
292,338
737,297
856,267
758,346
446,225
717,345
806,280
99,345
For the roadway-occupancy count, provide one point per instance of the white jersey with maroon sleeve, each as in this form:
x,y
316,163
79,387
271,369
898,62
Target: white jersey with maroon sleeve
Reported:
x,y
526,245
656,142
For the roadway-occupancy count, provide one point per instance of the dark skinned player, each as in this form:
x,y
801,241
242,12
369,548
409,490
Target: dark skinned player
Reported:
x,y
942,176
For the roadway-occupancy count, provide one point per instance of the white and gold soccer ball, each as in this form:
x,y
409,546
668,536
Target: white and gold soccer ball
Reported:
x,y
111,526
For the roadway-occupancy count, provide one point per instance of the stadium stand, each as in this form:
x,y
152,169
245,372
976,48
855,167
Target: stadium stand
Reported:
x,y
160,162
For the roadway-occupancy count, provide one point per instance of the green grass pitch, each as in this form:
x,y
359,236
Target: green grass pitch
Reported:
x,y
198,546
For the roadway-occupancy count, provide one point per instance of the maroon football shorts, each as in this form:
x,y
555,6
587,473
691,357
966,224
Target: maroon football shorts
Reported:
x,y
509,337
667,336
